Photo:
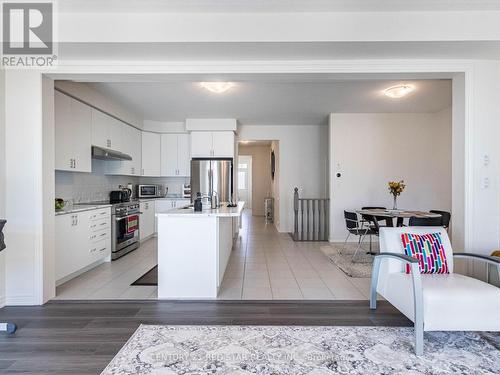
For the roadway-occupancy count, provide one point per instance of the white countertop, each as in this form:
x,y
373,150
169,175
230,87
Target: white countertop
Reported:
x,y
80,208
163,199
218,212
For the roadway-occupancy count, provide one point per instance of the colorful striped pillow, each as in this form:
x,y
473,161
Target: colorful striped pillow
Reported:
x,y
428,249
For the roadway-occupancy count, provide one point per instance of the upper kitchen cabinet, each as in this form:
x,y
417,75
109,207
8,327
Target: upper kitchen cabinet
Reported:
x,y
72,134
132,147
175,155
107,132
151,154
212,144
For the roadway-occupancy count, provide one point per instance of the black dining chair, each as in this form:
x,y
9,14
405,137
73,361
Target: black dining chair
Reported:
x,y
355,227
425,222
374,222
445,217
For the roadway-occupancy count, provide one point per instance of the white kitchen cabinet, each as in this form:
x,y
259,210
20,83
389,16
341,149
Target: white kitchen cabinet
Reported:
x,y
151,154
201,144
147,220
183,155
72,134
169,154
82,239
107,131
162,205
132,147
223,144
175,155
212,144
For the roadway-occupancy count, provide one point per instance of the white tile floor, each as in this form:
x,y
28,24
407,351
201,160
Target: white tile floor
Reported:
x,y
264,264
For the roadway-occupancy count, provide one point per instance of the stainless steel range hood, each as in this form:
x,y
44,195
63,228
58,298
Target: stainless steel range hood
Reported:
x,y
107,154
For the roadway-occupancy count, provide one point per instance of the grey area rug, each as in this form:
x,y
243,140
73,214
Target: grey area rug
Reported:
x,y
165,350
342,257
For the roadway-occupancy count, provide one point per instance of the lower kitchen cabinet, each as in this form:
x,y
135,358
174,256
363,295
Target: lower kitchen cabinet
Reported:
x,y
147,220
162,205
82,239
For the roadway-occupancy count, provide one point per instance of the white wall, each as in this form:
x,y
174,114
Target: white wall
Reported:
x,y
275,183
2,181
25,194
484,220
302,162
370,149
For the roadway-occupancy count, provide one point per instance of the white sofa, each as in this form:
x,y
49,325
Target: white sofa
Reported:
x,y
438,302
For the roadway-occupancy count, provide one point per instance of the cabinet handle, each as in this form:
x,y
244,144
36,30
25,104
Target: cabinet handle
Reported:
x,y
104,248
103,234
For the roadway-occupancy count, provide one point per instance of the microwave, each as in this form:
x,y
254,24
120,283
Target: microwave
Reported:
x,y
149,191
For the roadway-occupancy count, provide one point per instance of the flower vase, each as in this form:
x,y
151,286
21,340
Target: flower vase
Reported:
x,y
395,205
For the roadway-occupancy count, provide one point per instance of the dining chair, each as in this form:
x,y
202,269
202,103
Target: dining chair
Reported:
x,y
425,222
374,222
355,227
445,217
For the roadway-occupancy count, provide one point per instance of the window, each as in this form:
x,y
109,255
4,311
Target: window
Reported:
x,y
242,166
242,180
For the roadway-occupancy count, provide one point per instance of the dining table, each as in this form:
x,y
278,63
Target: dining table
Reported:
x,y
400,215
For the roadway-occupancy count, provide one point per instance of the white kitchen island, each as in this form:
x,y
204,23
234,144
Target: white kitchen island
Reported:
x,y
194,249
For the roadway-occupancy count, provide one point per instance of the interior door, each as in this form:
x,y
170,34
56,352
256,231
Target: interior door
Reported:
x,y
245,179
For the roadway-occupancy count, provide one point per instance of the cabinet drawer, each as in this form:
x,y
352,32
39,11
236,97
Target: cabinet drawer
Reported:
x,y
98,225
100,235
100,214
100,249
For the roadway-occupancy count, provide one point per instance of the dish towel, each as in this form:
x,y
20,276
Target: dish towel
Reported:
x,y
132,224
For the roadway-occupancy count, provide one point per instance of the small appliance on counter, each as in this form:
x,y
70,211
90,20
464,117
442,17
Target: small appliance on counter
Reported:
x,y
197,203
119,196
186,191
150,191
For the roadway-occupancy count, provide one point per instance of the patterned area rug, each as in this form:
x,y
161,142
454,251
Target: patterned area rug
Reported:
x,y
342,257
162,350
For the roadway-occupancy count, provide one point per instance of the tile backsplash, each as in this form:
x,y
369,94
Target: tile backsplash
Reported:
x,y
95,186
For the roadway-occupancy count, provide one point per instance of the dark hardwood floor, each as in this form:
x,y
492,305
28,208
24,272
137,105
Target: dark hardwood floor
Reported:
x,y
82,337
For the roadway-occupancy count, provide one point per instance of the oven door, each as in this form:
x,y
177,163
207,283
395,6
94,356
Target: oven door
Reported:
x,y
148,191
126,231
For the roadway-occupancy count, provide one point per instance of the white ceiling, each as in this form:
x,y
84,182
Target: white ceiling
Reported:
x,y
274,102
218,6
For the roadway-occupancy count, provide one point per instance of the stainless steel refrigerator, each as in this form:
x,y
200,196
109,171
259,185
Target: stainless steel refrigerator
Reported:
x,y
209,175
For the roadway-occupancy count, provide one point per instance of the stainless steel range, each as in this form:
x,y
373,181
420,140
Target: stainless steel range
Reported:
x,y
124,228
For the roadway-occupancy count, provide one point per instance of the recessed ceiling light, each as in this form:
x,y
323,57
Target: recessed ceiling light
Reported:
x,y
398,91
217,87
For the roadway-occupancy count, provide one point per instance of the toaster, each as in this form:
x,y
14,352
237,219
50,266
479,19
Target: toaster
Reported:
x,y
119,196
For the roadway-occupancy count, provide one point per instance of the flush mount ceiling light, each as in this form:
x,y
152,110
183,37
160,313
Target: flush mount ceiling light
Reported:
x,y
396,92
217,87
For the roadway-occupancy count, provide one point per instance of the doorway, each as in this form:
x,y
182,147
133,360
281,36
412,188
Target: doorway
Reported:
x,y
245,179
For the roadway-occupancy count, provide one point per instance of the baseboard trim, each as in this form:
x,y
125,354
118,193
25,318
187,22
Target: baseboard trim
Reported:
x,y
20,301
